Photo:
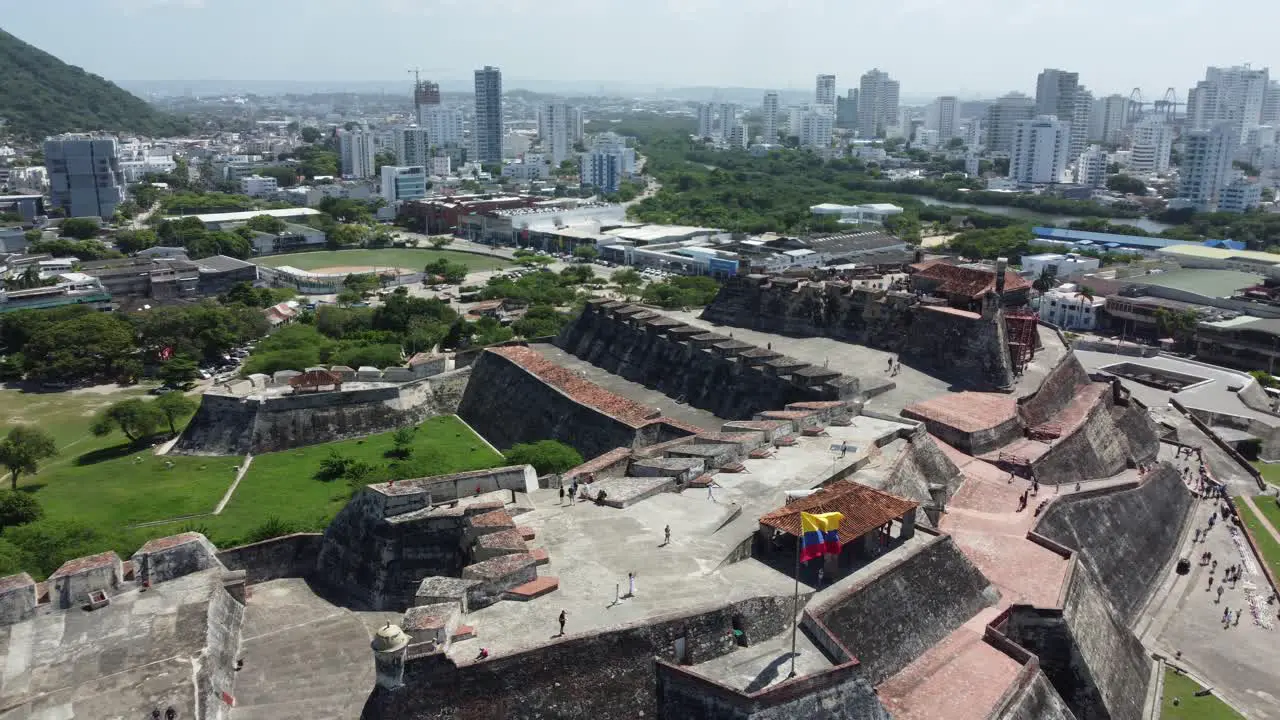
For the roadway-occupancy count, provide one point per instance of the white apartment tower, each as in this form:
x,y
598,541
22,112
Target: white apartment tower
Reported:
x,y
1206,165
1040,150
607,163
738,139
1056,93
769,129
357,152
1234,95
877,103
815,130
1107,122
727,119
85,178
1091,167
444,126
576,124
942,118
487,130
1003,118
706,120
412,145
825,93
1080,121
553,130
1152,146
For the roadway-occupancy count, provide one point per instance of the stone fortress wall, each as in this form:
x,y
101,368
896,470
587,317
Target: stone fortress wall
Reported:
x,y
949,342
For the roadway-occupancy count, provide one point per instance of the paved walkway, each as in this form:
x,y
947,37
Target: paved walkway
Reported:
x,y
226,497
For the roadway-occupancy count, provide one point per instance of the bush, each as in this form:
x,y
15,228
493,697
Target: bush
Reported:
x,y
18,508
546,456
46,544
274,527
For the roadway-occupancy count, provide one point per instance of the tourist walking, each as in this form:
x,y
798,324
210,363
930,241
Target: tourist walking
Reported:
x,y
631,584
562,616
1219,600
710,491
561,495
666,535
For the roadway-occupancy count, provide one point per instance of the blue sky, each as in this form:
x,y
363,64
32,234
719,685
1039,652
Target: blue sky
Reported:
x,y
931,46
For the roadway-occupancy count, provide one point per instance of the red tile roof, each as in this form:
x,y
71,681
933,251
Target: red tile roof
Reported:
x,y
967,282
71,567
864,509
965,411
577,388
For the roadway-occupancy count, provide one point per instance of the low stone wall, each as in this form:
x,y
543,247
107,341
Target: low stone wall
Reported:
x,y
1037,701
837,694
1060,386
893,617
918,466
215,672
1097,449
289,556
1125,536
603,675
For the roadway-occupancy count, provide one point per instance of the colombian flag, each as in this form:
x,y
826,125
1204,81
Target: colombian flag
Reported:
x,y
819,535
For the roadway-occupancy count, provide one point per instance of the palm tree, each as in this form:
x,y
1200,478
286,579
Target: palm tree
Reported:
x,y
1046,281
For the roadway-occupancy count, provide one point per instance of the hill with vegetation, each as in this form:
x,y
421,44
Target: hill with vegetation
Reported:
x,y
41,95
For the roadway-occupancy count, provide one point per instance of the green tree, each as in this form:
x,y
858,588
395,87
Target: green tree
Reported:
x,y
266,224
32,235
381,159
1265,379
178,372
135,417
285,176
363,284
439,242
132,241
1126,184
348,235
540,321
104,347
79,228
403,440
586,252
310,134
174,406
22,450
47,544
1046,281
546,456
18,508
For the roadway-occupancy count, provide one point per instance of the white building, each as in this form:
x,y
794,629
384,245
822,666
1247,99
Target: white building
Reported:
x,y
1232,95
607,163
356,150
444,126
403,183
706,120
1003,118
412,145
942,118
1080,120
1039,153
258,185
877,103
1056,92
727,119
554,131
1091,167
487,130
441,166
868,214
1060,266
972,165
1240,195
1206,166
1068,309
737,139
825,94
85,179
137,168
975,135
815,130
532,166
1107,123
1152,146
769,128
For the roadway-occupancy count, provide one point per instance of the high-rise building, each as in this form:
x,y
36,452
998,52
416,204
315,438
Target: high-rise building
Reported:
x,y
576,124
444,127
706,120
607,163
975,135
1240,195
826,90
1080,121
412,145
769,128
553,129
426,95
877,103
488,129
727,119
85,178
737,138
403,183
1039,153
1107,122
1206,165
1152,146
1234,95
1091,167
942,117
815,130
847,110
355,147
1056,93
1003,118
1271,104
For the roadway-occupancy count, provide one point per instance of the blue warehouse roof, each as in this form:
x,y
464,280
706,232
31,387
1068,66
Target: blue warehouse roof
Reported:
x,y
1112,240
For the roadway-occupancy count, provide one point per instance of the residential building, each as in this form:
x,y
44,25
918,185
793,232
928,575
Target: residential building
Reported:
x,y
401,183
942,118
576,124
1240,195
441,166
1039,153
426,95
1271,104
737,139
728,117
608,163
258,185
85,179
1091,167
1152,146
1232,95
554,131
877,103
706,121
1107,122
815,130
1080,120
412,145
975,135
1206,165
1070,309
847,111
1058,265
355,147
531,166
1056,92
769,127
444,126
487,130
826,90
1003,118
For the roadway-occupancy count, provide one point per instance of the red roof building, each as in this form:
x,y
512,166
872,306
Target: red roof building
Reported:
x,y
964,285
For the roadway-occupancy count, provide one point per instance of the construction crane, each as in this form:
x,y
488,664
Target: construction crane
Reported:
x,y
1168,105
424,92
1136,106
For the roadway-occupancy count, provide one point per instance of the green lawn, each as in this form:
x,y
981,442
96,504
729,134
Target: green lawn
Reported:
x,y
65,415
1267,545
1270,472
1189,706
393,257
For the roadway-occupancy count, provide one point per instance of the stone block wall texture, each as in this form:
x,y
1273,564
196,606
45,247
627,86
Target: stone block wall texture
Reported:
x,y
891,619
17,598
1056,392
1037,701
215,673
606,675
1125,537
290,556
951,344
1097,449
918,465
230,425
702,378
172,557
542,412
837,694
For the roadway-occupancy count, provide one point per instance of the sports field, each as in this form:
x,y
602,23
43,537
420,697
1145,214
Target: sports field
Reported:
x,y
412,260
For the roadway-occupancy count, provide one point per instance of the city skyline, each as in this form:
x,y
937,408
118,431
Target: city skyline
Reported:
x,y
726,51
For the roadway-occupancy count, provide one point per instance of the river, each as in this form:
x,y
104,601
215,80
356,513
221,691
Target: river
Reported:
x,y
1151,226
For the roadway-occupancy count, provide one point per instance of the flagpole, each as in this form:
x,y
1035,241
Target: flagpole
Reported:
x,y
795,603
